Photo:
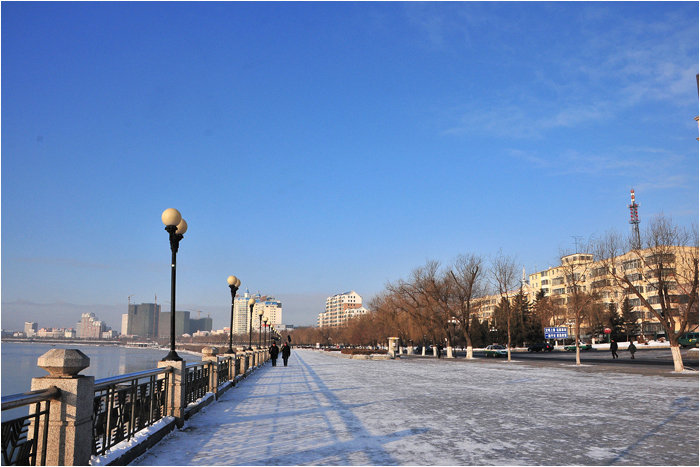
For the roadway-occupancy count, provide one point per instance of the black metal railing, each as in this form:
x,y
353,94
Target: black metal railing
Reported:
x,y
17,447
126,404
223,371
196,381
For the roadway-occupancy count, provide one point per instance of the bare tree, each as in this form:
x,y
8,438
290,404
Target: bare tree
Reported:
x,y
575,268
466,276
505,279
666,265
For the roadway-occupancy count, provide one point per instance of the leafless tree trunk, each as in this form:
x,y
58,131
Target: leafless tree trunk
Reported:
x,y
667,263
576,267
466,276
504,276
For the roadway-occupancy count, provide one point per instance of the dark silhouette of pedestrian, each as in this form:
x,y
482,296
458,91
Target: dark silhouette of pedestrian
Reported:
x,y
439,350
613,348
286,351
632,348
274,351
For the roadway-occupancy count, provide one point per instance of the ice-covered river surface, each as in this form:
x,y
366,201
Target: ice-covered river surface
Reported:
x,y
327,410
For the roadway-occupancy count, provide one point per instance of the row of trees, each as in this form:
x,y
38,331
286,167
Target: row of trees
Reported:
x,y
437,303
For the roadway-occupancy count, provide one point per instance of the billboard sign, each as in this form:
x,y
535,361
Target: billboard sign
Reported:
x,y
556,333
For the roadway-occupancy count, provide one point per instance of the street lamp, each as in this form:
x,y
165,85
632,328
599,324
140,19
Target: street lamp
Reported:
x,y
260,313
233,283
176,227
266,328
251,304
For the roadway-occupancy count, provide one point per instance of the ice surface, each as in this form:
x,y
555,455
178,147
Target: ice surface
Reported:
x,y
325,410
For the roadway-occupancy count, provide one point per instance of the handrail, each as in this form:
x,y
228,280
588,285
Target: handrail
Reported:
x,y
18,400
106,382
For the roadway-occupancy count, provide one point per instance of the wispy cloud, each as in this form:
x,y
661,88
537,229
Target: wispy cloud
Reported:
x,y
609,72
653,168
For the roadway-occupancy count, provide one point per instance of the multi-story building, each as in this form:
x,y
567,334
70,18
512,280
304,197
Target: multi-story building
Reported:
x,y
200,324
90,327
241,314
340,308
142,320
125,324
51,332
182,323
30,328
579,270
271,308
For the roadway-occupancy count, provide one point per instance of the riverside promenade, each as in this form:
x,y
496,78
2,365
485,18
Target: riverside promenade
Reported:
x,y
327,410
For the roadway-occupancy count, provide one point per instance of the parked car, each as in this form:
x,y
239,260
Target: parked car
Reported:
x,y
689,339
582,346
495,350
541,346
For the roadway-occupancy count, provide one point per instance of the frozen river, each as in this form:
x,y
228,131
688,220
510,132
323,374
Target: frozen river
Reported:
x,y
327,410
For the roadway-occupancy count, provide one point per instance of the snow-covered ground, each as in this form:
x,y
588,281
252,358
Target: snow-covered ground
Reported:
x,y
324,410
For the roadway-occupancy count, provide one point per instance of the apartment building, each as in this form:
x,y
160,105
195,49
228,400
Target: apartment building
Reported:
x,y
271,308
581,271
340,308
90,327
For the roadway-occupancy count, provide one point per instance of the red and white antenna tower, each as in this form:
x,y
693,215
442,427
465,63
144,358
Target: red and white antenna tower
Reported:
x,y
634,220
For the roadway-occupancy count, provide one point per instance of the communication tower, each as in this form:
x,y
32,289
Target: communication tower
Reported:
x,y
634,220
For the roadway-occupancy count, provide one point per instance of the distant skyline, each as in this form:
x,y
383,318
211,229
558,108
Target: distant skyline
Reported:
x,y
316,148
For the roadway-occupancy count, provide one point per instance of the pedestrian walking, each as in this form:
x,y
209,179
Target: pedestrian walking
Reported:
x,y
632,348
613,348
286,351
274,351
439,350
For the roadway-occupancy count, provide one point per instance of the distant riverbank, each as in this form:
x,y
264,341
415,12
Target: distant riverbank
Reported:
x,y
19,360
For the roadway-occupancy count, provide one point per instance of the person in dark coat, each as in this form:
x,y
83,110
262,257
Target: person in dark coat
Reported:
x,y
632,348
439,351
286,351
613,348
274,351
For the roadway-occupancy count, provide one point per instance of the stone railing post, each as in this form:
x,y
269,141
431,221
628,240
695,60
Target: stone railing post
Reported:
x,y
251,359
209,355
242,362
176,389
70,423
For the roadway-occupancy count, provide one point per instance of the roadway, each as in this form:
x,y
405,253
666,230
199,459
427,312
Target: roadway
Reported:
x,y
651,359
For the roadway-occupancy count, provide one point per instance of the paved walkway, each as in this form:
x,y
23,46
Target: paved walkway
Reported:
x,y
327,410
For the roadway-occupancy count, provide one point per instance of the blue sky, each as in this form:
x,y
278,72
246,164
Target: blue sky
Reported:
x,y
315,148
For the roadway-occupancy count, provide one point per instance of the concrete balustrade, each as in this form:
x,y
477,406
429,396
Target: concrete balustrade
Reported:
x,y
209,355
70,424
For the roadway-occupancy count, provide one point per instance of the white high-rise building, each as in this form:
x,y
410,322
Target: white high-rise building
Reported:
x,y
241,314
125,324
340,308
271,308
30,328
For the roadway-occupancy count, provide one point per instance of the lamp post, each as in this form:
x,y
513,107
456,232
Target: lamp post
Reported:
x,y
260,313
176,227
266,328
251,304
233,283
